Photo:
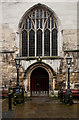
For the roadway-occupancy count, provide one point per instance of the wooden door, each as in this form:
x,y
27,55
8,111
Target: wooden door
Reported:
x,y
39,82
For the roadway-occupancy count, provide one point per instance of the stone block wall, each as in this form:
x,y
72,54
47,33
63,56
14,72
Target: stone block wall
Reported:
x,y
70,39
12,13
8,37
8,68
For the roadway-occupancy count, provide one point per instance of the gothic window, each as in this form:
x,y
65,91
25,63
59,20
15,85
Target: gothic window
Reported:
x,y
39,33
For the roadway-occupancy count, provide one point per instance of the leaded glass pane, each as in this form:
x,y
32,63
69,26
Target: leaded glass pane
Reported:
x,y
52,22
45,14
41,13
24,43
32,26
23,26
54,42
39,43
33,16
55,25
41,23
26,24
31,43
37,13
48,22
47,43
29,23
37,23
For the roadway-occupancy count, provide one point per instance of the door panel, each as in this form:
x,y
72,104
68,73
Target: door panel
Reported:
x,y
39,82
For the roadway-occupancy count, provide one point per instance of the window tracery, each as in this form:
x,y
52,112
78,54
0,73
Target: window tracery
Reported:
x,y
39,29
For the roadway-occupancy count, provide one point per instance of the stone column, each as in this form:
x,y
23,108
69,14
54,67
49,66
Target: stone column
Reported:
x,y
53,84
25,85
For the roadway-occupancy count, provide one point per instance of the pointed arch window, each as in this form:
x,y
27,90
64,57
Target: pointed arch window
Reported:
x,y
39,33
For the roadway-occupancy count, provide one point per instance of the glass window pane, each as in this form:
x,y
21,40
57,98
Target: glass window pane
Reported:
x,y
29,23
23,26
37,23
47,43
45,14
39,43
52,22
40,13
32,26
26,24
55,25
54,42
24,43
41,23
31,43
37,13
48,22
33,16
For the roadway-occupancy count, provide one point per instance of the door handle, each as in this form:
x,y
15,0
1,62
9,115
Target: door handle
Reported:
x,y
37,84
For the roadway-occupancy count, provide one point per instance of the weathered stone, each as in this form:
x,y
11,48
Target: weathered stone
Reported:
x,y
10,43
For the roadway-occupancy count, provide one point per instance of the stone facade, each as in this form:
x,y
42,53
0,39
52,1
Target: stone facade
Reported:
x,y
66,15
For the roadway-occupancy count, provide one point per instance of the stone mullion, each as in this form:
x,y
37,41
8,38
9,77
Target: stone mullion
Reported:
x,y
50,37
35,43
59,35
39,19
46,21
28,38
54,22
43,35
20,43
35,35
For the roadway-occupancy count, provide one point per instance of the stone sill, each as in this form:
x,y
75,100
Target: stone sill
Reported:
x,y
71,50
40,58
6,51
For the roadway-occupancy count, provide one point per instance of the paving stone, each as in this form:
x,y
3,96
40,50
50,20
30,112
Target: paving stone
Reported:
x,y
38,108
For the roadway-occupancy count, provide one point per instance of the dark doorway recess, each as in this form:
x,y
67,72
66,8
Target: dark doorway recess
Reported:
x,y
39,82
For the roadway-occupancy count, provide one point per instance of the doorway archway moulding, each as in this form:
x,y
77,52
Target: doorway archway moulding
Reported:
x,y
32,67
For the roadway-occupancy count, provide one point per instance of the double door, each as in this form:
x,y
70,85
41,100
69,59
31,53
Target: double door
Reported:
x,y
39,82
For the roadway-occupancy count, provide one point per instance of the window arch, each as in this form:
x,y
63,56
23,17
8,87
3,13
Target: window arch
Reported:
x,y
39,33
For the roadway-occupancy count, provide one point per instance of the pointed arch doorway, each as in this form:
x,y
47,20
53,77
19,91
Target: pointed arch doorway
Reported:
x,y
39,82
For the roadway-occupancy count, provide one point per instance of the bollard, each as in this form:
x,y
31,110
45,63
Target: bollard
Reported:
x,y
60,94
10,101
68,99
23,94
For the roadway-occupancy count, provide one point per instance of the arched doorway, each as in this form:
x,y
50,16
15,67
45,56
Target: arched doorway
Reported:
x,y
39,82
